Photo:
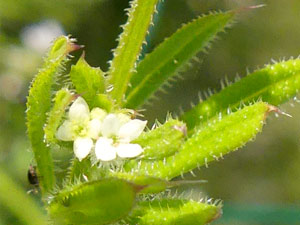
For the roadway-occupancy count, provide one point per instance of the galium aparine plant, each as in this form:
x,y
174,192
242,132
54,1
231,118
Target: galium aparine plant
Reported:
x,y
119,169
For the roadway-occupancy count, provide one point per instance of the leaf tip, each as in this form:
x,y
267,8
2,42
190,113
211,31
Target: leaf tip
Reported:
x,y
278,111
74,47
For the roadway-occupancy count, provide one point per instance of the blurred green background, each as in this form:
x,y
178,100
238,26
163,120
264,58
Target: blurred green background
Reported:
x,y
260,184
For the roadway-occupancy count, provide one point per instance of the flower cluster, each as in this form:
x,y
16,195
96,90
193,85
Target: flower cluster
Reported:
x,y
108,135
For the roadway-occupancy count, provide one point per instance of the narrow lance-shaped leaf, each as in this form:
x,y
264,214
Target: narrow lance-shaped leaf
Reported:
x,y
62,99
129,47
161,64
274,84
99,202
38,104
87,80
14,198
216,138
174,211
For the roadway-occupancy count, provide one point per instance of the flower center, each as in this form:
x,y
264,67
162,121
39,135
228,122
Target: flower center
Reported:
x,y
80,129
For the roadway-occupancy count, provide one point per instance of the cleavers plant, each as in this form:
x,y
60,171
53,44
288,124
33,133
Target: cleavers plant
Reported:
x,y
120,170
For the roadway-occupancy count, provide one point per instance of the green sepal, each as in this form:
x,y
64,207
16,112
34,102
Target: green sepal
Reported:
x,y
172,54
97,202
78,169
81,171
174,211
102,101
62,99
39,103
88,81
274,84
219,136
162,141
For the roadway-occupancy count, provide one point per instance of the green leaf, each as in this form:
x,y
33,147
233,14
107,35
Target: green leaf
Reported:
x,y
98,202
87,80
62,99
19,203
161,64
274,84
219,136
38,104
162,141
102,101
129,47
174,211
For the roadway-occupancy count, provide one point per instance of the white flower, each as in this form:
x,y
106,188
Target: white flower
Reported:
x,y
81,127
117,132
113,132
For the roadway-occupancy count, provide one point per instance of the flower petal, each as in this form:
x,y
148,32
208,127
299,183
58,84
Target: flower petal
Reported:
x,y
129,150
110,125
64,132
104,150
131,130
94,128
82,147
79,110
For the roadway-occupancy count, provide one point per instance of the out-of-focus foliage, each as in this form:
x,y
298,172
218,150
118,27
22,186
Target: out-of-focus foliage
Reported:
x,y
265,172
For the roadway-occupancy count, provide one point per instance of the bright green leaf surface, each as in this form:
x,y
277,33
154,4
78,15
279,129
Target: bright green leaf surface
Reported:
x,y
87,80
13,197
274,84
130,42
213,140
38,104
98,202
62,99
172,54
173,211
102,101
162,141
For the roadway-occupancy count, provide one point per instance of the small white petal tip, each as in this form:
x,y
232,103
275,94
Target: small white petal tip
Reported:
x,y
82,147
132,129
79,110
129,150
